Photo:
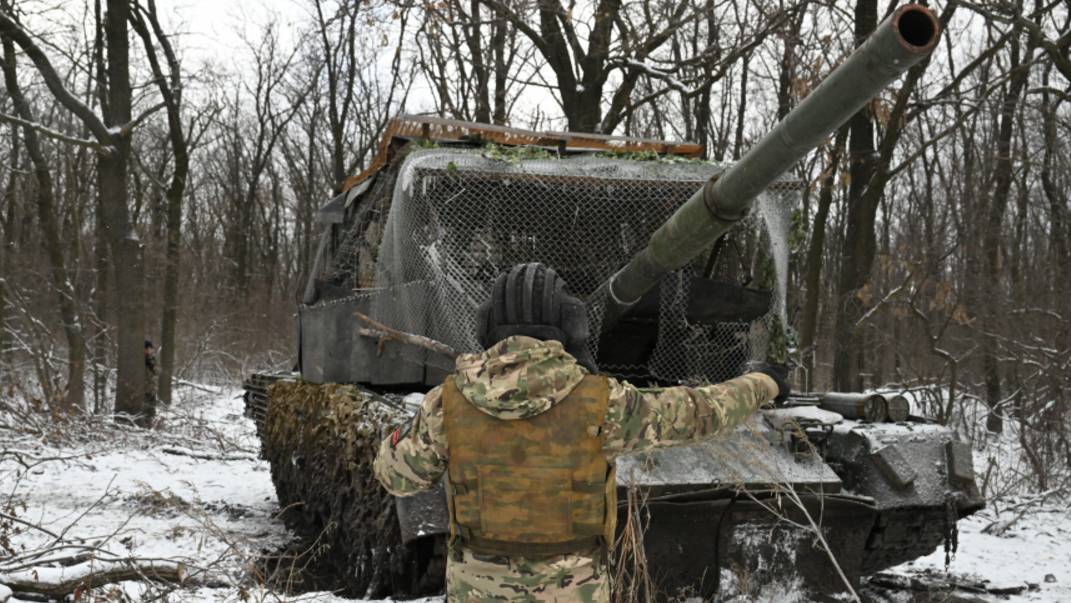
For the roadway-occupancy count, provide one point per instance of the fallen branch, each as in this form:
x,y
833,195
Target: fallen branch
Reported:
x,y
942,584
198,386
999,527
384,333
59,582
193,454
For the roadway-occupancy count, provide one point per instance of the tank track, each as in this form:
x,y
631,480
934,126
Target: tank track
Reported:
x,y
256,399
320,442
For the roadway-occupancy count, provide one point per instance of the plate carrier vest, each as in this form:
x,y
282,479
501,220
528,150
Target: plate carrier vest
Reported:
x,y
534,487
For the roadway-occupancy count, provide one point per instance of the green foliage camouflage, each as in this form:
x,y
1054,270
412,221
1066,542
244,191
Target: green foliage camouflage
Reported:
x,y
321,441
516,155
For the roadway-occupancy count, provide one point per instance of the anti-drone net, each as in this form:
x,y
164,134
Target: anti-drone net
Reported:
x,y
457,218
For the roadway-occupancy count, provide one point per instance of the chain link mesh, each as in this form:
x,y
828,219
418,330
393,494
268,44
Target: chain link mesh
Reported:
x,y
450,220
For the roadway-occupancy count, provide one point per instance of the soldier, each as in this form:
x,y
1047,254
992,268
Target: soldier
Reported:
x,y
150,375
526,433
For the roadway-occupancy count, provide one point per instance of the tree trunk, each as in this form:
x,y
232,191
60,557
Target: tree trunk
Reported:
x,y
112,179
171,275
7,244
479,65
1056,196
130,295
991,239
702,109
813,270
498,47
101,291
859,238
170,86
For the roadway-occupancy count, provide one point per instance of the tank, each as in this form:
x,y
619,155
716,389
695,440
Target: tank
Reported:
x,y
813,496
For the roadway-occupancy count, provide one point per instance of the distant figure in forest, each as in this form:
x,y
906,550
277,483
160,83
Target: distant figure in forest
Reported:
x,y
150,375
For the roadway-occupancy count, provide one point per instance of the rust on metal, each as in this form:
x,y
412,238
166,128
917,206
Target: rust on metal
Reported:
x,y
438,129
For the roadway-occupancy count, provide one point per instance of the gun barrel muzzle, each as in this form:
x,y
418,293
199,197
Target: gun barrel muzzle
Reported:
x,y
899,42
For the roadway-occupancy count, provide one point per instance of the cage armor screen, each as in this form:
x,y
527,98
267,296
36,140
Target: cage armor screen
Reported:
x,y
423,244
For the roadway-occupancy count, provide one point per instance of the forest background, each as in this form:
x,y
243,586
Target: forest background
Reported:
x,y
151,189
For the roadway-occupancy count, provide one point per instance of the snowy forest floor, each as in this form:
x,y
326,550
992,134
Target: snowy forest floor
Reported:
x,y
193,496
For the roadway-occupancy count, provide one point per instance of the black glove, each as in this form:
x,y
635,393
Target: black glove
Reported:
x,y
779,373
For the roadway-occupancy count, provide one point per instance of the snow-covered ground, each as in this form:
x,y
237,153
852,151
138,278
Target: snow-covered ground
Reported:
x,y
194,492
1019,542
1034,554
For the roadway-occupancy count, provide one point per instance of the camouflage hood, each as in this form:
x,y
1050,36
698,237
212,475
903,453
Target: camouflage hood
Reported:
x,y
518,377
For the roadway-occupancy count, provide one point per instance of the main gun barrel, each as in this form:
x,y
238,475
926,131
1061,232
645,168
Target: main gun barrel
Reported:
x,y
900,41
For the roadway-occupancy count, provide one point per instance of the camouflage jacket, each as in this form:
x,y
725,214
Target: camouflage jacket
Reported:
x,y
521,377
150,381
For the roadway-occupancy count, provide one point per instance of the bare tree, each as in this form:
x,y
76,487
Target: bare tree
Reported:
x,y
870,171
146,24
358,101
111,133
622,39
7,243
251,144
463,48
46,212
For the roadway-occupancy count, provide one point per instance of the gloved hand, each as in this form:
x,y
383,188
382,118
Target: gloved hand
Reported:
x,y
779,373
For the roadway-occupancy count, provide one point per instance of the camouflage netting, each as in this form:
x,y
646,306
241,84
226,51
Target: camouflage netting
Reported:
x,y
437,226
321,441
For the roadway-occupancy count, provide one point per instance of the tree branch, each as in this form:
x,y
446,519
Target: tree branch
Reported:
x,y
10,28
128,127
46,131
384,333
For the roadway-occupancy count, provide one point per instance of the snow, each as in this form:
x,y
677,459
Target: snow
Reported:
x,y
195,492
777,417
1018,540
666,76
1036,546
192,492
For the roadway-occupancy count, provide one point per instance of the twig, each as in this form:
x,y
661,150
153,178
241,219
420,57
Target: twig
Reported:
x,y
197,386
107,491
29,525
794,497
999,526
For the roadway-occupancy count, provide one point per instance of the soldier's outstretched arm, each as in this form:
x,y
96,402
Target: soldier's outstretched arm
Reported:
x,y
413,457
641,418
